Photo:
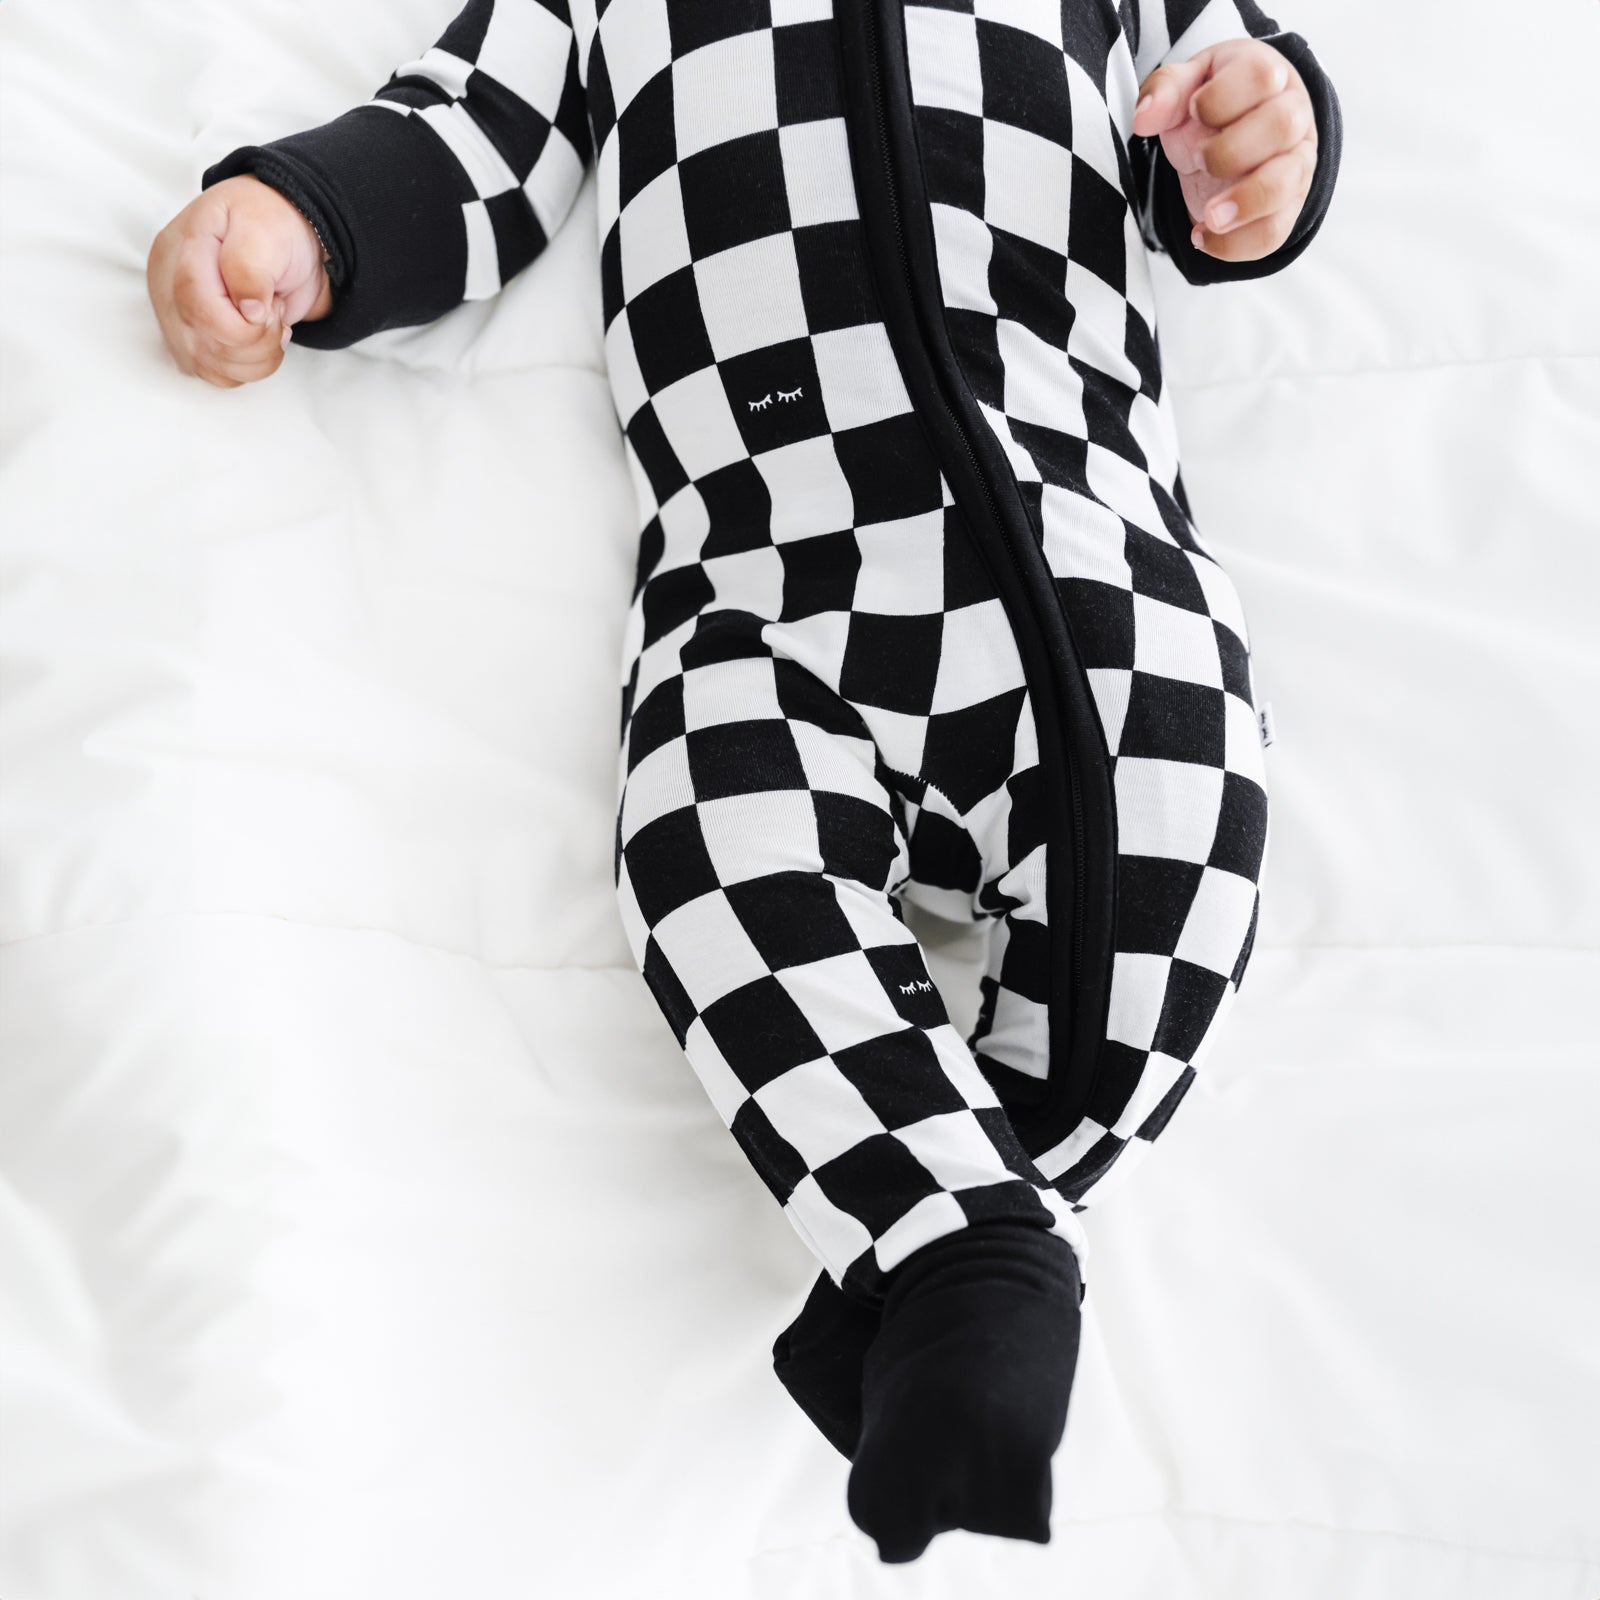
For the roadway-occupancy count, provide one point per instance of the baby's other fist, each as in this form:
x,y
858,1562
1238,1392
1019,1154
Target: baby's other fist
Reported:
x,y
1237,124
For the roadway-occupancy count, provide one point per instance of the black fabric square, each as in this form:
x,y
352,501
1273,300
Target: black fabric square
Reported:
x,y
760,1031
943,854
518,237
905,979
750,167
743,758
1097,226
819,574
1239,966
877,1180
1101,619
1025,966
803,696
1193,995
1025,827
1163,572
890,467
1154,894
668,863
1024,81
652,545
646,137
969,753
671,598
737,494
691,26
1234,659
1060,458
1170,719
900,1076
952,157
967,578
806,70
1106,405
611,295
669,333
886,661
723,635
835,276
1118,1069
778,1164
775,394
792,918
670,994
1241,839
975,340
857,838
656,455
657,719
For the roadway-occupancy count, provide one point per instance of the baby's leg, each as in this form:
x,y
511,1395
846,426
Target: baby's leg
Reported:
x,y
757,850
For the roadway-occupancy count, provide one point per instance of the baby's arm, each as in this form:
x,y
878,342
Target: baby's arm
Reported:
x,y
1163,32
448,182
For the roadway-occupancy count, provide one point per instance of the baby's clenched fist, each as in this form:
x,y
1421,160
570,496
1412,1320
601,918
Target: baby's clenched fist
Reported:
x,y
1237,124
230,275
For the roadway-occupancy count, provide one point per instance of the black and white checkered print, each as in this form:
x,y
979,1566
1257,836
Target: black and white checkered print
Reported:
x,y
824,713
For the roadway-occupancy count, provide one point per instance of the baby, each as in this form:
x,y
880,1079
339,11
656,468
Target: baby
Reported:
x,y
920,613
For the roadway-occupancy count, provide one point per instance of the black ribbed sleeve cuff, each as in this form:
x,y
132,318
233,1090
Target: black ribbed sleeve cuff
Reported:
x,y
385,195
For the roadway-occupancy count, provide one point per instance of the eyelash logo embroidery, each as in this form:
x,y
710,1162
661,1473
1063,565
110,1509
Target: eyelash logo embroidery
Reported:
x,y
916,986
786,395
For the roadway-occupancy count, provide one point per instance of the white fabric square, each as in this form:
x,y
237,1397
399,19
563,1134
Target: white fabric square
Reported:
x,y
1019,1036
723,90
942,48
1040,383
652,234
1027,185
699,425
843,1000
1125,487
707,948
658,784
785,12
861,379
1173,642
730,691
1083,539
810,493
749,835
1112,688
902,566
750,295
1222,597
622,367
748,580
960,1067
1042,21
1077,1144
835,764
637,44
818,1110
977,658
450,72
955,1149
1138,990
526,47
1219,917
552,185
485,167
833,1236
720,1081
964,247
932,1217
1243,751
685,522
816,172
1099,335
1020,461
483,253
1167,808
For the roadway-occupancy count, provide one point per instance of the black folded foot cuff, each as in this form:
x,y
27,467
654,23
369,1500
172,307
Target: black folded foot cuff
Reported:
x,y
965,1389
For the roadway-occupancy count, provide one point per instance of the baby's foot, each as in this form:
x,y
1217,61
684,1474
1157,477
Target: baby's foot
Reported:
x,y
819,1358
965,1389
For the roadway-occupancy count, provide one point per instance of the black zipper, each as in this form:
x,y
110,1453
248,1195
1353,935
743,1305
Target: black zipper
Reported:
x,y
1042,1113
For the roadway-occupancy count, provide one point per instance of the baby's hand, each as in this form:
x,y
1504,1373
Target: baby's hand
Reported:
x,y
1238,127
228,276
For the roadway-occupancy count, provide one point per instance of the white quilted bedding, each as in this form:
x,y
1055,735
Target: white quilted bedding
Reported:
x,y
363,1232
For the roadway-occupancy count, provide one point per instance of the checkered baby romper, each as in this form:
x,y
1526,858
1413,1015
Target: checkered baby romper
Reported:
x,y
920,611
